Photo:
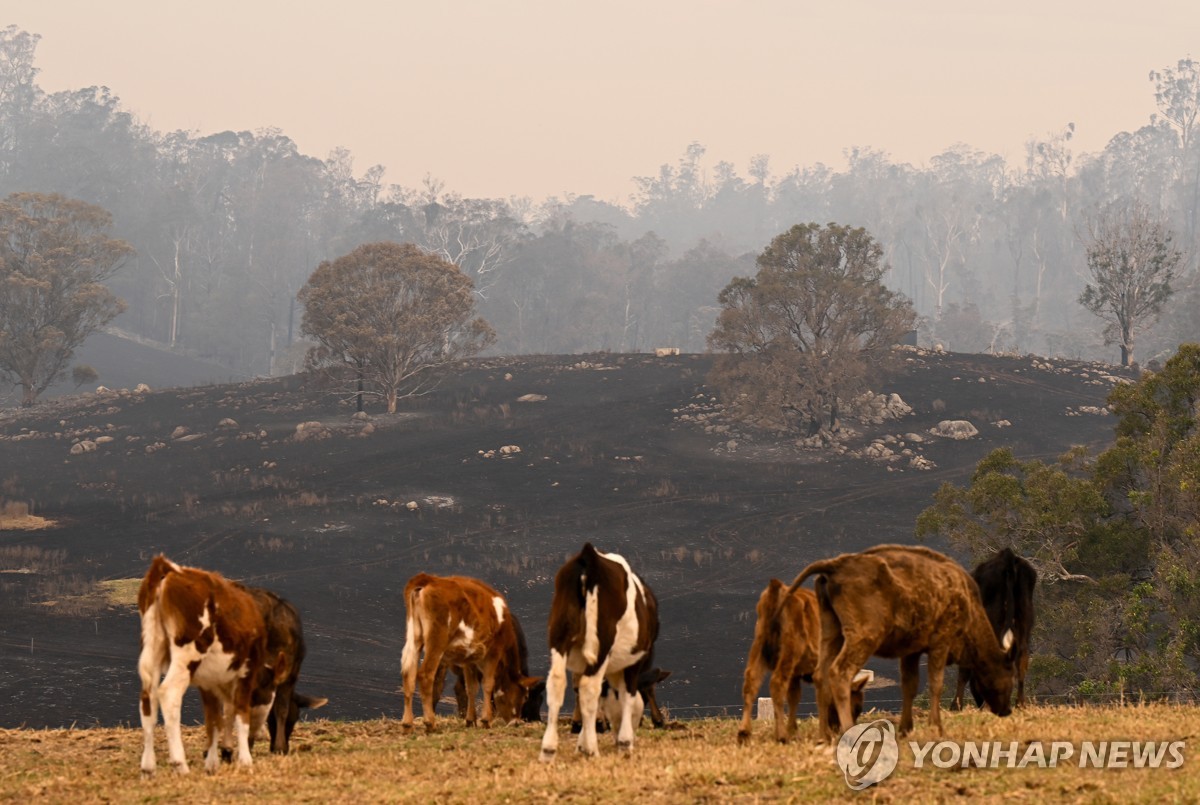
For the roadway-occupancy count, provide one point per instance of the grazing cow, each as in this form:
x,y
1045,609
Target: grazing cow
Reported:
x,y
787,638
277,706
531,710
903,601
461,622
1006,583
611,706
603,623
199,629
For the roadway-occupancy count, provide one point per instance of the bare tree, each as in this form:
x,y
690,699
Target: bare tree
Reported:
x,y
1131,261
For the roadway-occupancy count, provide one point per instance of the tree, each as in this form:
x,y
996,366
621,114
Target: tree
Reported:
x,y
394,315
1132,262
54,255
808,328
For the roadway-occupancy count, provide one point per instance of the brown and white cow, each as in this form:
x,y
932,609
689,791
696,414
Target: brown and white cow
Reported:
x,y
903,601
787,639
275,706
530,710
460,622
603,624
198,629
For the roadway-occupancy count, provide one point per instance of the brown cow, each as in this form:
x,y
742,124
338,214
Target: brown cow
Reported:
x,y
201,630
603,623
903,601
462,622
787,638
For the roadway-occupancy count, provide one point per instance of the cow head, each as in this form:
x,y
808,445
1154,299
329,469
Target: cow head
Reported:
x,y
512,696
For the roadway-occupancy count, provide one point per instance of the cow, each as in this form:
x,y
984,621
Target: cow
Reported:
x,y
903,601
199,629
602,626
461,622
1006,583
276,707
531,710
787,638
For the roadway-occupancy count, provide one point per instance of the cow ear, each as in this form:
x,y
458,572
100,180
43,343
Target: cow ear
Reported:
x,y
532,682
281,668
862,679
662,675
1006,642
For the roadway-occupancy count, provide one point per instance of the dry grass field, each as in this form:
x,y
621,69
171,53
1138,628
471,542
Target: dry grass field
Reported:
x,y
372,761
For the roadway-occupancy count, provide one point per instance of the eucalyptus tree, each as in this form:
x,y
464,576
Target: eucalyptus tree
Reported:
x,y
55,254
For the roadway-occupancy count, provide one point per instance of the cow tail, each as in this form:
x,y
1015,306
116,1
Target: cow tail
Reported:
x,y
773,633
822,566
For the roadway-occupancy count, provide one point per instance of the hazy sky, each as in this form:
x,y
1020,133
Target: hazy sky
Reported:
x,y
546,97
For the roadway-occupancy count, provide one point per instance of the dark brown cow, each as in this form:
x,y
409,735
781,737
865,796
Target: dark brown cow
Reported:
x,y
1006,583
787,639
276,707
461,622
603,624
198,629
903,601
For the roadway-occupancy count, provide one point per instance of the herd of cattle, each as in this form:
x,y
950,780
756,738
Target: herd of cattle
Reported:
x,y
243,647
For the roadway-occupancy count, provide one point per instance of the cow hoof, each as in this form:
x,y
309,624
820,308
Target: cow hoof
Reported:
x,y
406,729
782,739
743,737
180,768
625,748
487,725
430,729
147,774
547,755
469,722
226,755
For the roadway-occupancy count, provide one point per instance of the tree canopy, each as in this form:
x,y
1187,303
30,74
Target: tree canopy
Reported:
x,y
1118,532
807,330
54,255
393,315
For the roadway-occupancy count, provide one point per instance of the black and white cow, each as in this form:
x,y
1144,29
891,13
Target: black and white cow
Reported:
x,y
603,623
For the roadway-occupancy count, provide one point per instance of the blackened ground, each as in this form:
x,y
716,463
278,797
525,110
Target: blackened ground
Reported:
x,y
325,522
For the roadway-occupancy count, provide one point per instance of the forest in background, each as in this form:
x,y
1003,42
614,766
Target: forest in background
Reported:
x,y
228,226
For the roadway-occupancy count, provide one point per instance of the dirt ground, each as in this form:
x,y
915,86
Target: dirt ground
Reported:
x,y
338,519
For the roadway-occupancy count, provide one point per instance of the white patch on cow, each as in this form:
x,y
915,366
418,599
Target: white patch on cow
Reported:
x,y
1007,641
865,677
498,603
591,633
408,657
622,653
463,636
556,689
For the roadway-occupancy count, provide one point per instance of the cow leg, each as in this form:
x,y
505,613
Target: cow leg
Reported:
x,y
471,691
781,679
170,694
556,689
960,687
624,729
214,728
936,669
150,672
910,677
434,649
793,706
409,658
832,644
242,700
1022,669
279,730
589,702
489,687
751,683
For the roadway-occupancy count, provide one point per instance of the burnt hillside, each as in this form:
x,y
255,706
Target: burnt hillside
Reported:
x,y
626,451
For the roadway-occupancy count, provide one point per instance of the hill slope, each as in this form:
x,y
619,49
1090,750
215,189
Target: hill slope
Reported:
x,y
324,519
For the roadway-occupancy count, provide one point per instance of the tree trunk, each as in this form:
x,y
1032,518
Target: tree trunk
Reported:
x,y
391,401
358,398
28,395
1126,355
